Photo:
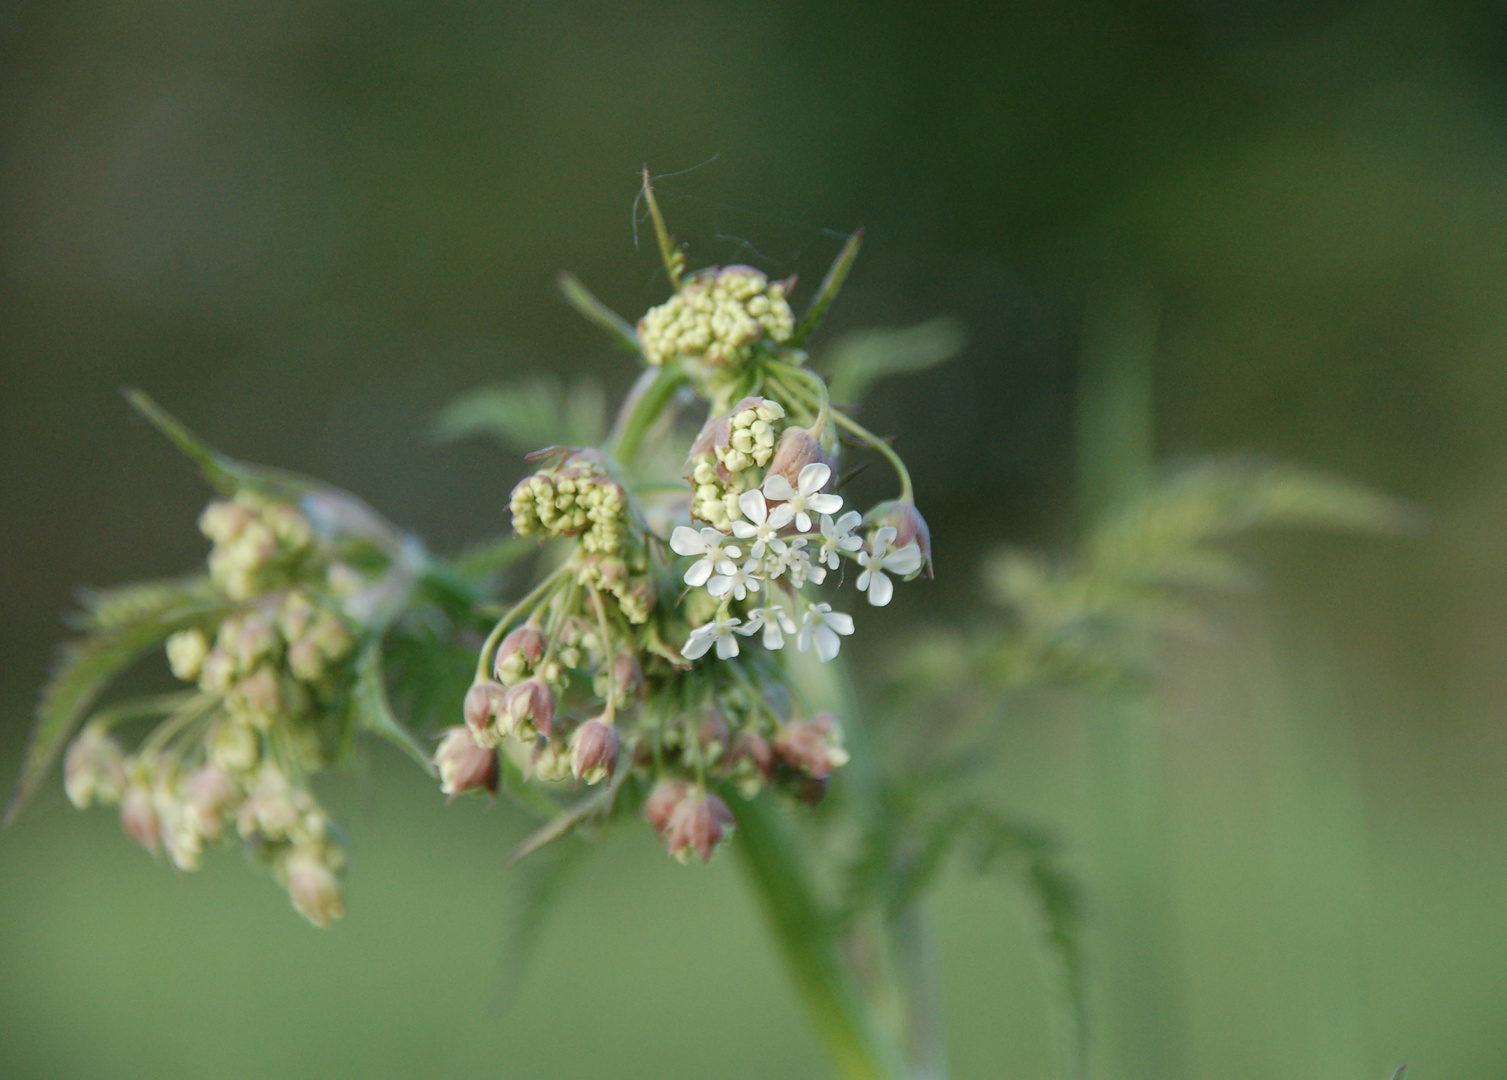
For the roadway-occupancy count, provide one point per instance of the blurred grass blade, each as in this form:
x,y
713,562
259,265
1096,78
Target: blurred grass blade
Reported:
x,y
862,359
223,474
562,825
83,670
827,292
110,609
374,711
598,313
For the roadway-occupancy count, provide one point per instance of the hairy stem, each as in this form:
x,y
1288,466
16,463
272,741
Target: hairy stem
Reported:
x,y
642,408
847,1027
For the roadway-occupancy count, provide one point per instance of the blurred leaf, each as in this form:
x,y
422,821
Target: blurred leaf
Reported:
x,y
109,609
581,298
563,824
529,414
481,562
84,668
429,675
374,711
859,360
837,273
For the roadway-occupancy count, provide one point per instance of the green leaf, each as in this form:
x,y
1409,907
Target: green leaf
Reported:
x,y
83,670
109,609
374,711
481,562
837,273
859,360
529,414
598,313
587,810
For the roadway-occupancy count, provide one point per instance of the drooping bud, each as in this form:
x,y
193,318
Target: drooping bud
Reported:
x,y
312,885
750,763
138,816
464,764
211,795
593,751
663,801
519,652
627,679
909,525
698,826
796,449
813,747
93,768
481,705
528,709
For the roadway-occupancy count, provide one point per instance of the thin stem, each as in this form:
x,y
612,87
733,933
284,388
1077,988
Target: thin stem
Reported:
x,y
907,493
642,409
483,663
607,657
847,1026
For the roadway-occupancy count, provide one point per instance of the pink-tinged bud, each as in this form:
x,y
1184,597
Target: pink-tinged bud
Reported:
x,y
529,703
212,794
628,679
753,748
813,747
908,524
593,751
699,824
464,764
663,801
526,641
796,449
313,887
482,703
138,817
714,433
93,768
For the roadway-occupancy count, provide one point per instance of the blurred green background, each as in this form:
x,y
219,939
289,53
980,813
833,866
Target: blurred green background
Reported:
x,y
304,226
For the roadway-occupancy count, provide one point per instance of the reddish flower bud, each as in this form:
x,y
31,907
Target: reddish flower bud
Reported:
x,y
529,704
212,794
138,817
313,887
796,449
628,678
464,764
527,641
593,751
714,433
663,801
482,703
909,526
754,749
699,824
813,747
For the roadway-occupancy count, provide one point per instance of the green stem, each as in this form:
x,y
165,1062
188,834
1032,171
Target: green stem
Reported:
x,y
907,494
484,663
845,1023
641,410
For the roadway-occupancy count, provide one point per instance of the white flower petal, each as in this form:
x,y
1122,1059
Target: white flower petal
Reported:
x,y
743,530
696,645
825,504
827,643
904,562
880,589
813,477
781,516
727,647
719,585
752,504
698,573
840,621
776,487
803,521
687,541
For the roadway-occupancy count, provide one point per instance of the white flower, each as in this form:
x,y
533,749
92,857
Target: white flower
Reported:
x,y
720,631
907,560
762,527
706,543
838,536
738,580
774,621
805,498
822,625
798,561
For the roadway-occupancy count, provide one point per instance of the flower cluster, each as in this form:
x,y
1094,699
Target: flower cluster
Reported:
x,y
270,664
717,318
574,498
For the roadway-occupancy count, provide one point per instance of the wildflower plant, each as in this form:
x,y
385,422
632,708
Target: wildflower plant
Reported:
x,y
697,566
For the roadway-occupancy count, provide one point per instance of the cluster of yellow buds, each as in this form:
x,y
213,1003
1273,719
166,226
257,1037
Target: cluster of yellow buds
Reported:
x,y
729,455
576,498
259,543
717,318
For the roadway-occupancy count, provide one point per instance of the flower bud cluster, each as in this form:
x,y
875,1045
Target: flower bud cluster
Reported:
x,y
717,318
232,756
727,457
259,543
576,498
